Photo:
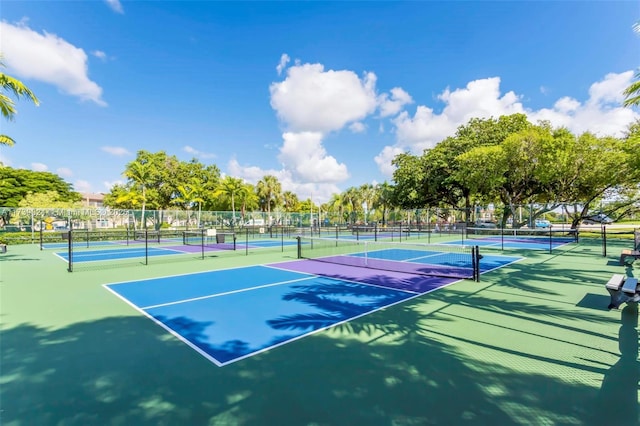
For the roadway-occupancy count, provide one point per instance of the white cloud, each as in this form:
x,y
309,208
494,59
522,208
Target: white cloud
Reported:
x,y
284,60
391,105
314,100
48,58
115,5
39,167
305,156
108,185
115,150
383,160
566,105
82,186
99,54
357,127
190,150
601,114
64,172
4,160
610,89
481,98
319,192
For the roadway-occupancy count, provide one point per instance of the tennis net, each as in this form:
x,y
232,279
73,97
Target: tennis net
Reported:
x,y
519,235
440,260
146,235
203,238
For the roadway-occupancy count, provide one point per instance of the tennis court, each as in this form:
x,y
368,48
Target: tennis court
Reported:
x,y
532,343
230,314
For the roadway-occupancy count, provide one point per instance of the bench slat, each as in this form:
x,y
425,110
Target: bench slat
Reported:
x,y
615,281
630,285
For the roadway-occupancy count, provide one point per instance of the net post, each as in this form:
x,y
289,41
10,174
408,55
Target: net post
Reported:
x,y
202,242
246,242
87,234
473,262
550,240
366,253
603,231
299,247
429,225
478,257
70,251
41,236
146,246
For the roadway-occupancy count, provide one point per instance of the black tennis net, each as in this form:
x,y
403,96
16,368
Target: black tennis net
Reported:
x,y
440,260
206,238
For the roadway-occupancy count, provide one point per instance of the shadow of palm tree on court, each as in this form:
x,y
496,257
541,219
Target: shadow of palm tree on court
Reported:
x,y
124,370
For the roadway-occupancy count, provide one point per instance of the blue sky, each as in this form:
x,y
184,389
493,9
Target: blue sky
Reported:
x,y
320,94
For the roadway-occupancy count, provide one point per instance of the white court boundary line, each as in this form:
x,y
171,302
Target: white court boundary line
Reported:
x,y
213,360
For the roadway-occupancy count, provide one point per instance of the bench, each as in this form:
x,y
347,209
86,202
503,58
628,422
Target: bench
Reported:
x,y
3,248
629,253
622,289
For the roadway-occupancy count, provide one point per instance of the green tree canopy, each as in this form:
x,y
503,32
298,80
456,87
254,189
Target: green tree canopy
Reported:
x,y
16,184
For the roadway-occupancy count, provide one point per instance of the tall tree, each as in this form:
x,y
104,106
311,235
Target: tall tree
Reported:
x,y
139,172
190,194
368,197
290,201
383,199
11,85
231,187
269,191
353,202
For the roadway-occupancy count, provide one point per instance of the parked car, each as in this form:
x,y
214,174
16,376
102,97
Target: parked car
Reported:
x,y
597,218
542,223
486,224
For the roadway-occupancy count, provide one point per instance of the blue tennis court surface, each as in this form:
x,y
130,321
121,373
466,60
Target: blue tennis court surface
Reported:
x,y
228,315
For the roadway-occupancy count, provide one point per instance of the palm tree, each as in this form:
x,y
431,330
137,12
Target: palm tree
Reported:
x,y
189,194
140,173
351,200
335,204
7,106
632,93
231,187
383,199
368,196
269,190
248,198
290,201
